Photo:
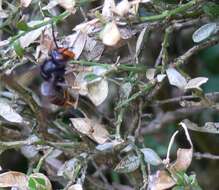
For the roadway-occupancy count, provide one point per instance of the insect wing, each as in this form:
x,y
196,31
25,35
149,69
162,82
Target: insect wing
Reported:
x,y
47,89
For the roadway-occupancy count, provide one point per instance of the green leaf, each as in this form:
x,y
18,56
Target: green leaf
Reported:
x,y
178,188
196,187
41,181
211,9
151,157
194,183
32,184
181,178
23,26
18,49
128,164
89,77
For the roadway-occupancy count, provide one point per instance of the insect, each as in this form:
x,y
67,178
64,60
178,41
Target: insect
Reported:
x,y
53,71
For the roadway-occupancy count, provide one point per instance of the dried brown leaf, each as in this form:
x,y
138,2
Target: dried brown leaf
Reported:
x,y
77,41
160,181
110,35
128,164
176,78
93,49
9,114
188,104
69,5
98,91
29,151
139,42
151,157
79,44
161,77
14,179
184,156
134,7
150,74
4,43
122,8
91,128
81,83
25,3
70,169
183,161
196,83
75,187
108,7
95,88
89,26
145,1
30,37
50,5
3,14
126,33
46,41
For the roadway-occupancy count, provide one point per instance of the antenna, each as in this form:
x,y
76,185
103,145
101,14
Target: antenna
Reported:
x,y
53,35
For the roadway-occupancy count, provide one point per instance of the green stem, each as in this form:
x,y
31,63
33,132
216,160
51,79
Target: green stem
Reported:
x,y
123,67
136,95
165,46
40,163
119,122
170,13
60,17
142,167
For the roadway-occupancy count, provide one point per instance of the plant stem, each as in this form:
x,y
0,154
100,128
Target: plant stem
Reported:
x,y
170,13
142,167
183,58
123,67
119,122
60,17
146,88
165,46
39,165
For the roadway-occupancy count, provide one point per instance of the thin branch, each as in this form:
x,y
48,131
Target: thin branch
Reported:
x,y
24,127
100,173
159,58
169,117
121,67
183,58
18,144
145,90
170,13
60,17
137,131
214,96
142,167
165,45
209,127
119,122
199,156
40,163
